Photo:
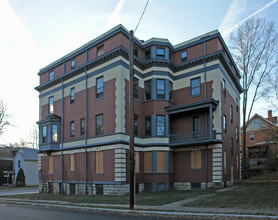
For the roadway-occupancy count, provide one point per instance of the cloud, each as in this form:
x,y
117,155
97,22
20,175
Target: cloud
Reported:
x,y
115,17
18,68
236,9
228,29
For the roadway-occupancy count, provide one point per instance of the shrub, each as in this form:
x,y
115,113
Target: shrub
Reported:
x,y
20,179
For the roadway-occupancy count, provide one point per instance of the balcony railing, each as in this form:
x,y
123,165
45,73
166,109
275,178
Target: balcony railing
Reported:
x,y
198,137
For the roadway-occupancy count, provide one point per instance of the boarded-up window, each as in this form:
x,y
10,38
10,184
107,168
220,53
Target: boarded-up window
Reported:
x,y
147,162
99,162
100,50
196,159
50,164
72,162
136,156
161,162
171,162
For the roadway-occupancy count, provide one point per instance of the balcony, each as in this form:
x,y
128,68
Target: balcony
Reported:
x,y
193,138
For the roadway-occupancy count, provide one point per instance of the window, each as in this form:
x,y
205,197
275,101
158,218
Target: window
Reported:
x,y
55,133
160,125
196,159
51,75
72,162
99,162
51,105
171,94
184,56
148,126
224,87
100,50
256,123
224,123
50,164
252,137
99,124
160,89
195,86
236,104
136,88
136,125
196,127
19,164
148,54
72,95
148,89
44,134
237,137
135,51
99,92
147,162
72,64
82,126
231,113
160,53
72,128
161,162
232,147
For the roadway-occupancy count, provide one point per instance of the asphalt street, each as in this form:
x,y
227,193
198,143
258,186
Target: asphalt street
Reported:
x,y
14,212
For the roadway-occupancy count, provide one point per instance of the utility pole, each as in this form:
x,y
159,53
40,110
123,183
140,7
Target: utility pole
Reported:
x,y
131,126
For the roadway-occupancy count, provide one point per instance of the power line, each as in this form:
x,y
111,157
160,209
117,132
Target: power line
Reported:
x,y
141,16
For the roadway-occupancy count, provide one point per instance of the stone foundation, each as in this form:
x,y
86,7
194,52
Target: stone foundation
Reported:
x,y
119,189
210,185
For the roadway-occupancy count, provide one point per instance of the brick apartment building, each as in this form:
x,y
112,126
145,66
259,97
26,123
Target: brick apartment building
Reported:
x,y
187,119
258,143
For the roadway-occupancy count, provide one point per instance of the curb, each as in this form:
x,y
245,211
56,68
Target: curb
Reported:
x,y
140,210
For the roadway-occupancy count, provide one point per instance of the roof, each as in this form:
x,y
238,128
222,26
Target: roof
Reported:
x,y
261,117
28,153
8,152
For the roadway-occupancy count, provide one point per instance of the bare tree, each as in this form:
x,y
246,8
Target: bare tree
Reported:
x,y
4,117
270,92
253,48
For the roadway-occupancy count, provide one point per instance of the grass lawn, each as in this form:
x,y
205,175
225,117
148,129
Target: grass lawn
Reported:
x,y
247,195
157,198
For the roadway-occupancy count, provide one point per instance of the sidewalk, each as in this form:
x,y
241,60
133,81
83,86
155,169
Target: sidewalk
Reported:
x,y
7,190
176,208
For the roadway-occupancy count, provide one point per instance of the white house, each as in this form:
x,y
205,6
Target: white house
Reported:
x,y
27,159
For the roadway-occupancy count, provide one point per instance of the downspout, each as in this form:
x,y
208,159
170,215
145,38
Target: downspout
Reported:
x,y
205,69
62,140
86,112
206,166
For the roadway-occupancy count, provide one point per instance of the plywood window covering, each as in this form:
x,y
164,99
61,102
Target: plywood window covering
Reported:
x,y
50,164
161,162
196,159
136,156
72,162
99,162
100,50
147,162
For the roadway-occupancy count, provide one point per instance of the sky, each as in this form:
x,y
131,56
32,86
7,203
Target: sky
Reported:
x,y
34,33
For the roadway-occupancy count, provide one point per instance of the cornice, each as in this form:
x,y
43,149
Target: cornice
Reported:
x,y
142,65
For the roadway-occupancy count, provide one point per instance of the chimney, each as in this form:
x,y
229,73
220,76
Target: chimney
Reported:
x,y
270,115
